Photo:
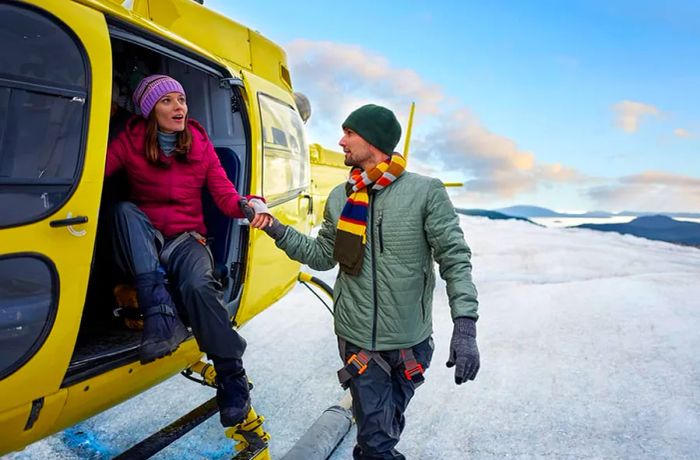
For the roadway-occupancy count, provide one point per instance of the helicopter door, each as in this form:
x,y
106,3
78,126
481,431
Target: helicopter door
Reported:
x,y
280,172
55,82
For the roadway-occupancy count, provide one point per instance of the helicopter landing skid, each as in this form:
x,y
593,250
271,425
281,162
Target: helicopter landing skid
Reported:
x,y
250,436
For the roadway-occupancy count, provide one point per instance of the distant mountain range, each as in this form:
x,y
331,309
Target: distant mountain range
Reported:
x,y
494,215
661,228
536,211
652,227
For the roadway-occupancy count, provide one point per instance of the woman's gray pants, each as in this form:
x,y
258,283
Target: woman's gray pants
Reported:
x,y
189,269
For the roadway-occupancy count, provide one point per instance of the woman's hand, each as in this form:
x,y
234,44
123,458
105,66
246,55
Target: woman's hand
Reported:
x,y
261,217
261,220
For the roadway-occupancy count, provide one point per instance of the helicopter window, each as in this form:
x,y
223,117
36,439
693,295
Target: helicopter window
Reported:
x,y
34,48
28,291
278,137
285,151
42,114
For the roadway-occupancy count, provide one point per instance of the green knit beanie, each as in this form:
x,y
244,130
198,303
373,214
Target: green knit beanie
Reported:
x,y
377,125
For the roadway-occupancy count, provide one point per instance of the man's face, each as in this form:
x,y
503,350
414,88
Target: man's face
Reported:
x,y
356,149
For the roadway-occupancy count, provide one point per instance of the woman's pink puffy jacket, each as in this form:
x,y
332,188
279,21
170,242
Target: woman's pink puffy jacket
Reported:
x,y
171,196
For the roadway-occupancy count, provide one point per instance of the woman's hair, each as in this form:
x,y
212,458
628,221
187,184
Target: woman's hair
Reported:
x,y
152,149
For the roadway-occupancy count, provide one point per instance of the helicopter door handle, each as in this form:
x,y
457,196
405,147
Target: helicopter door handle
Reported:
x,y
68,221
311,202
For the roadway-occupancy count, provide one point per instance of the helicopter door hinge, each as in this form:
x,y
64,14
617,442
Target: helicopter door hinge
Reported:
x,y
231,82
37,405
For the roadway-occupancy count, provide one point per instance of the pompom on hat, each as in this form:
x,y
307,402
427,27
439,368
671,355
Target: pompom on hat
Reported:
x,y
151,89
377,125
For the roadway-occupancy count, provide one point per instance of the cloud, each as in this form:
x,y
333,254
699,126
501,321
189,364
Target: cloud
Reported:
x,y
629,114
447,137
650,191
681,132
498,165
348,74
661,178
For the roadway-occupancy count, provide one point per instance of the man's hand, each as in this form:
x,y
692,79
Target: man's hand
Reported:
x,y
261,221
464,354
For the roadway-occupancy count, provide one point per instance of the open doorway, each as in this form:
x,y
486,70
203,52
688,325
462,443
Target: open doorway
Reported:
x,y
104,342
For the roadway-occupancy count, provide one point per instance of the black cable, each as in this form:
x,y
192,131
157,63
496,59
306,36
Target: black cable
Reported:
x,y
322,284
319,297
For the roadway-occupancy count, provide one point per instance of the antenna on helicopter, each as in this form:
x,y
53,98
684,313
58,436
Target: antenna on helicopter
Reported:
x,y
409,127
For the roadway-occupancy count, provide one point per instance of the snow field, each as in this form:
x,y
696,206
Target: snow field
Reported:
x,y
589,349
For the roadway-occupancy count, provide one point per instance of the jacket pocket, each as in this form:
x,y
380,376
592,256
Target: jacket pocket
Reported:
x,y
422,295
380,223
336,297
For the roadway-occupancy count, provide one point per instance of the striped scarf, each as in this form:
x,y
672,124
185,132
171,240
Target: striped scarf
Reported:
x,y
351,237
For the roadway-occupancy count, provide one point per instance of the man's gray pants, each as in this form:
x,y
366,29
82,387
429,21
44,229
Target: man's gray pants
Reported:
x,y
379,401
196,292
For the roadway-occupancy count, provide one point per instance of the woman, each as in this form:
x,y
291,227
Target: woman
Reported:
x,y
168,159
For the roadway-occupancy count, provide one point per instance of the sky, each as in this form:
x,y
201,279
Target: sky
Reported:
x,y
575,106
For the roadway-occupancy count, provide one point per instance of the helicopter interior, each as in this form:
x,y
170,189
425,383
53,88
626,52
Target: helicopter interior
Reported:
x,y
104,342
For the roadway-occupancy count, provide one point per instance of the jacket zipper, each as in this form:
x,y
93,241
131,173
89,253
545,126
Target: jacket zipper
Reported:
x,y
374,274
381,233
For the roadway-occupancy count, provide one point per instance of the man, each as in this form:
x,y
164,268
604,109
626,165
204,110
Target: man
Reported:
x,y
384,227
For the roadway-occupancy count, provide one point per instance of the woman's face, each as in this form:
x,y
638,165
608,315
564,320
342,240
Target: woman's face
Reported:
x,y
170,112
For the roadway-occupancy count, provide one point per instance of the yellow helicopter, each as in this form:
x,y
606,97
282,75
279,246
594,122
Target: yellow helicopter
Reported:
x,y
65,66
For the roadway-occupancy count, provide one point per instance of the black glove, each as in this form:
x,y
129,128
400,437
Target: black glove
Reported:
x,y
463,350
276,229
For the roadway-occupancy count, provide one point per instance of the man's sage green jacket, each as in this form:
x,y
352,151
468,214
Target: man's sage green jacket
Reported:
x,y
388,305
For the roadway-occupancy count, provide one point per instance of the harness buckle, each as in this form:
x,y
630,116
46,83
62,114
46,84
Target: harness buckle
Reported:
x,y
360,360
413,371
201,239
